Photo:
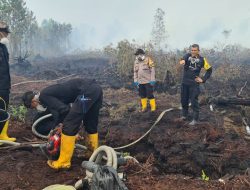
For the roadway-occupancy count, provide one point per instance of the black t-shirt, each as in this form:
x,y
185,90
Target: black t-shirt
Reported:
x,y
192,68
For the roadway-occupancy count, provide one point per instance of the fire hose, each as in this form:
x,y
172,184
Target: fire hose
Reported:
x,y
103,152
42,81
145,134
110,154
37,145
19,144
34,131
117,148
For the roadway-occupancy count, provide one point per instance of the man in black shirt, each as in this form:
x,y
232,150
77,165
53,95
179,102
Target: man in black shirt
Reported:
x,y
86,96
190,89
4,78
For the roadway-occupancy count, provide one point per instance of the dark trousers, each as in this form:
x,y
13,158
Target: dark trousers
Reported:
x,y
190,92
146,91
5,95
84,109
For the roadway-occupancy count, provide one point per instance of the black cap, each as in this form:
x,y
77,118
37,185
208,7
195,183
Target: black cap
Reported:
x,y
27,98
139,51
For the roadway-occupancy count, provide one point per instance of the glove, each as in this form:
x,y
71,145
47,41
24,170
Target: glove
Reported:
x,y
152,83
136,84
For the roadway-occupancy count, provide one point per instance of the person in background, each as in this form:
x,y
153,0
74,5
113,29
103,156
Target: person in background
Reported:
x,y
190,89
5,82
144,79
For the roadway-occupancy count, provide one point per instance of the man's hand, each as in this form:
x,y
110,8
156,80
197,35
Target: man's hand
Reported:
x,y
182,62
199,80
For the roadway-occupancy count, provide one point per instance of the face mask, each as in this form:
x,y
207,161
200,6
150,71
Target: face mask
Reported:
x,y
5,41
40,108
140,57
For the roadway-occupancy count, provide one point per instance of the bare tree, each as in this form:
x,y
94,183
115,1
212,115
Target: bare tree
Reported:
x,y
159,33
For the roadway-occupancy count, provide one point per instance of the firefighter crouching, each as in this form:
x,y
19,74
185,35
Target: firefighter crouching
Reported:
x,y
86,96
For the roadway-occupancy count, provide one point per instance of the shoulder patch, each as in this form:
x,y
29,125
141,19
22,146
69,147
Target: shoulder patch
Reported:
x,y
206,64
150,62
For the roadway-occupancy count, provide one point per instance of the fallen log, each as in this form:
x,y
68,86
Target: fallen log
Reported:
x,y
230,101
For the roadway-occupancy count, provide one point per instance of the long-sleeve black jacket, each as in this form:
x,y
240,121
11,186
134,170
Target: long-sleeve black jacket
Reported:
x,y
56,98
4,68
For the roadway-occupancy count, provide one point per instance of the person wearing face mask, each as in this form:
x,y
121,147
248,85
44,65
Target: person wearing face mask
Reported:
x,y
5,82
86,98
144,79
190,89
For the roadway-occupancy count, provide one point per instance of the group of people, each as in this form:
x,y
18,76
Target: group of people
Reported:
x,y
193,62
79,101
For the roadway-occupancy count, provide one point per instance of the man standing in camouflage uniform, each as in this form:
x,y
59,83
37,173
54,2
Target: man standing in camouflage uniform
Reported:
x,y
144,79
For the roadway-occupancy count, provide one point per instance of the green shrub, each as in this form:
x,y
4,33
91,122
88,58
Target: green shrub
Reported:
x,y
18,112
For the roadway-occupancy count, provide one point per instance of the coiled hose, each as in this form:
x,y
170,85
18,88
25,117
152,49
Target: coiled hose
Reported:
x,y
98,155
102,152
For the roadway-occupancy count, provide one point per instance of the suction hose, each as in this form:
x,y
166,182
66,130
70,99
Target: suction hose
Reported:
x,y
19,144
34,131
97,157
103,152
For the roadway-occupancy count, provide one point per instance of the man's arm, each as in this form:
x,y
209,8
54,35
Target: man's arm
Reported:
x,y
208,73
135,72
57,108
1,56
184,59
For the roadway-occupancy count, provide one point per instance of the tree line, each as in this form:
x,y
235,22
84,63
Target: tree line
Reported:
x,y
49,38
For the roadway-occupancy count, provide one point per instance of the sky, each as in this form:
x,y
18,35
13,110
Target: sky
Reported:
x,y
98,23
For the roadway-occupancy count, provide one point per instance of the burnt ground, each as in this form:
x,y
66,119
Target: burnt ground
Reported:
x,y
173,156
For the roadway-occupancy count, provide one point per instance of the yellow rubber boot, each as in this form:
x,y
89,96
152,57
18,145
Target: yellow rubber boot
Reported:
x,y
144,102
93,141
66,153
4,135
152,104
